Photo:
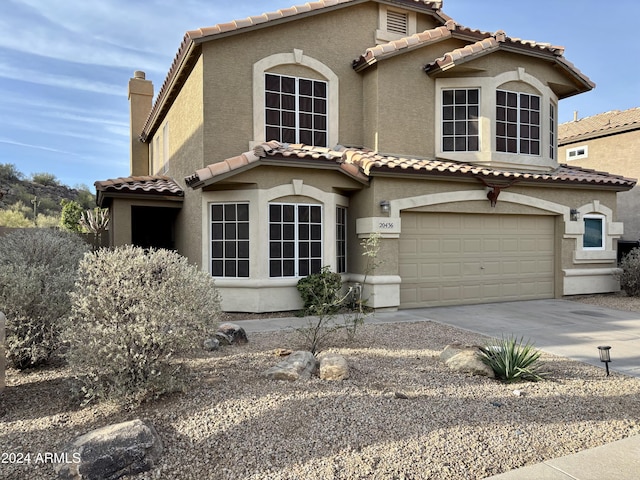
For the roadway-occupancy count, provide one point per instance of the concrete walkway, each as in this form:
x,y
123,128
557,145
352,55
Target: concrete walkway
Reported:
x,y
561,327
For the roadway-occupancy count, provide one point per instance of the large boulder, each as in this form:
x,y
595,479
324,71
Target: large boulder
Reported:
x,y
231,334
112,452
333,367
456,348
298,365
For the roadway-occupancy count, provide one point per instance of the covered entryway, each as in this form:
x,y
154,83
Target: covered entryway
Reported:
x,y
452,258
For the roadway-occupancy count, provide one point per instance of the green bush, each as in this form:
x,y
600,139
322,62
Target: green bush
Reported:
x,y
630,275
512,360
320,292
134,312
37,271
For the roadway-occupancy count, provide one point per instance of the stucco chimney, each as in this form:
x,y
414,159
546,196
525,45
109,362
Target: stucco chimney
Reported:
x,y
140,103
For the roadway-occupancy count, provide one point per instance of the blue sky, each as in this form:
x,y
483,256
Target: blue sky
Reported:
x,y
65,65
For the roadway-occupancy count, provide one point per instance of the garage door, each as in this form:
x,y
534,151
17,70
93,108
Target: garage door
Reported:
x,y
451,259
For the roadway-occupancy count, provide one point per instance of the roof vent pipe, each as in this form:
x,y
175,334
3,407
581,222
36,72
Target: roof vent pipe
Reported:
x,y
575,115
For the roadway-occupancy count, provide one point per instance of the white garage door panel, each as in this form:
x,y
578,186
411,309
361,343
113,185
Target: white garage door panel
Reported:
x,y
450,259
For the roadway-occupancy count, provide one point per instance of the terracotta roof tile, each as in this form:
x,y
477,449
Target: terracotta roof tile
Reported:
x,y
362,164
606,123
199,35
139,185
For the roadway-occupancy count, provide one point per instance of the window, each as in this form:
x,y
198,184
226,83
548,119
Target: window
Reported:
x,y
341,239
165,148
230,239
593,238
577,152
552,131
460,111
295,110
397,22
295,240
517,123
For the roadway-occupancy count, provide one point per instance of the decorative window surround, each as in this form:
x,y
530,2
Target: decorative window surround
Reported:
x,y
488,154
259,292
297,57
613,230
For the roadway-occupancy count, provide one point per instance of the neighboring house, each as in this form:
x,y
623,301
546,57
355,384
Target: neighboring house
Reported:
x,y
608,141
280,141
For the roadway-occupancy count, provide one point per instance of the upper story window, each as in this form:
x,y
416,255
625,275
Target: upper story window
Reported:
x,y
552,131
517,123
460,115
296,110
577,153
594,235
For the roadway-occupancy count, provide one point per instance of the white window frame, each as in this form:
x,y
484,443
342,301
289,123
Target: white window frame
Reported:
x,y
467,119
272,64
603,238
576,153
296,240
553,131
519,108
341,239
224,240
297,110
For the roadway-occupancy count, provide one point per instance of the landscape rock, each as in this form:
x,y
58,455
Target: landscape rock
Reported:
x,y
298,365
333,367
469,361
112,452
455,348
231,334
211,344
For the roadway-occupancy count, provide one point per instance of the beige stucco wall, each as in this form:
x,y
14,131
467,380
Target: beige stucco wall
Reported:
x,y
618,154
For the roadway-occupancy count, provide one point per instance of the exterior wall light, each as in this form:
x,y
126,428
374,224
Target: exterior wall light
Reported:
x,y
385,206
605,356
574,215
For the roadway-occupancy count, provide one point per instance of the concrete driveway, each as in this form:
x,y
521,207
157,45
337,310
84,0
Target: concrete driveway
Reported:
x,y
562,327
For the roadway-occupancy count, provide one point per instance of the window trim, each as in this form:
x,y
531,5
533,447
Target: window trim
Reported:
x,y
297,57
553,131
296,240
297,111
341,240
224,240
467,120
603,222
579,152
519,124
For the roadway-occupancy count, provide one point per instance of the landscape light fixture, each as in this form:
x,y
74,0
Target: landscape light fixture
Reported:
x,y
605,356
574,215
385,206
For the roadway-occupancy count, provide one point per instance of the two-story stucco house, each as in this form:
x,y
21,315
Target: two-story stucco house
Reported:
x,y
608,141
279,141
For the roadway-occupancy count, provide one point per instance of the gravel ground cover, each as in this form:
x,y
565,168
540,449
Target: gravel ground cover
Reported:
x,y
235,424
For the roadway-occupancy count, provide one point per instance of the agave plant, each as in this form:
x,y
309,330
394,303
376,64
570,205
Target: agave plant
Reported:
x,y
513,360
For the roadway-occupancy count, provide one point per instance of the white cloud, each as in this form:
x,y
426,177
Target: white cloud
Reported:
x,y
30,145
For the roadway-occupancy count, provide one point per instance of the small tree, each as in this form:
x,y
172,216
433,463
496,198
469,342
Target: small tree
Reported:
x,y
95,222
134,313
37,271
71,215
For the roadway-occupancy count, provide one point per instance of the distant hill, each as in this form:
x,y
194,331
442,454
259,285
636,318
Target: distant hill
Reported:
x,y
43,189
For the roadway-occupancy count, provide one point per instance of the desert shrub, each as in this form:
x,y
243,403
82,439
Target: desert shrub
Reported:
x,y
630,275
512,360
37,271
135,312
320,291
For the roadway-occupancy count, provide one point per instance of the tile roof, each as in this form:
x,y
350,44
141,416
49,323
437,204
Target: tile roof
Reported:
x,y
139,185
192,38
607,123
368,163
